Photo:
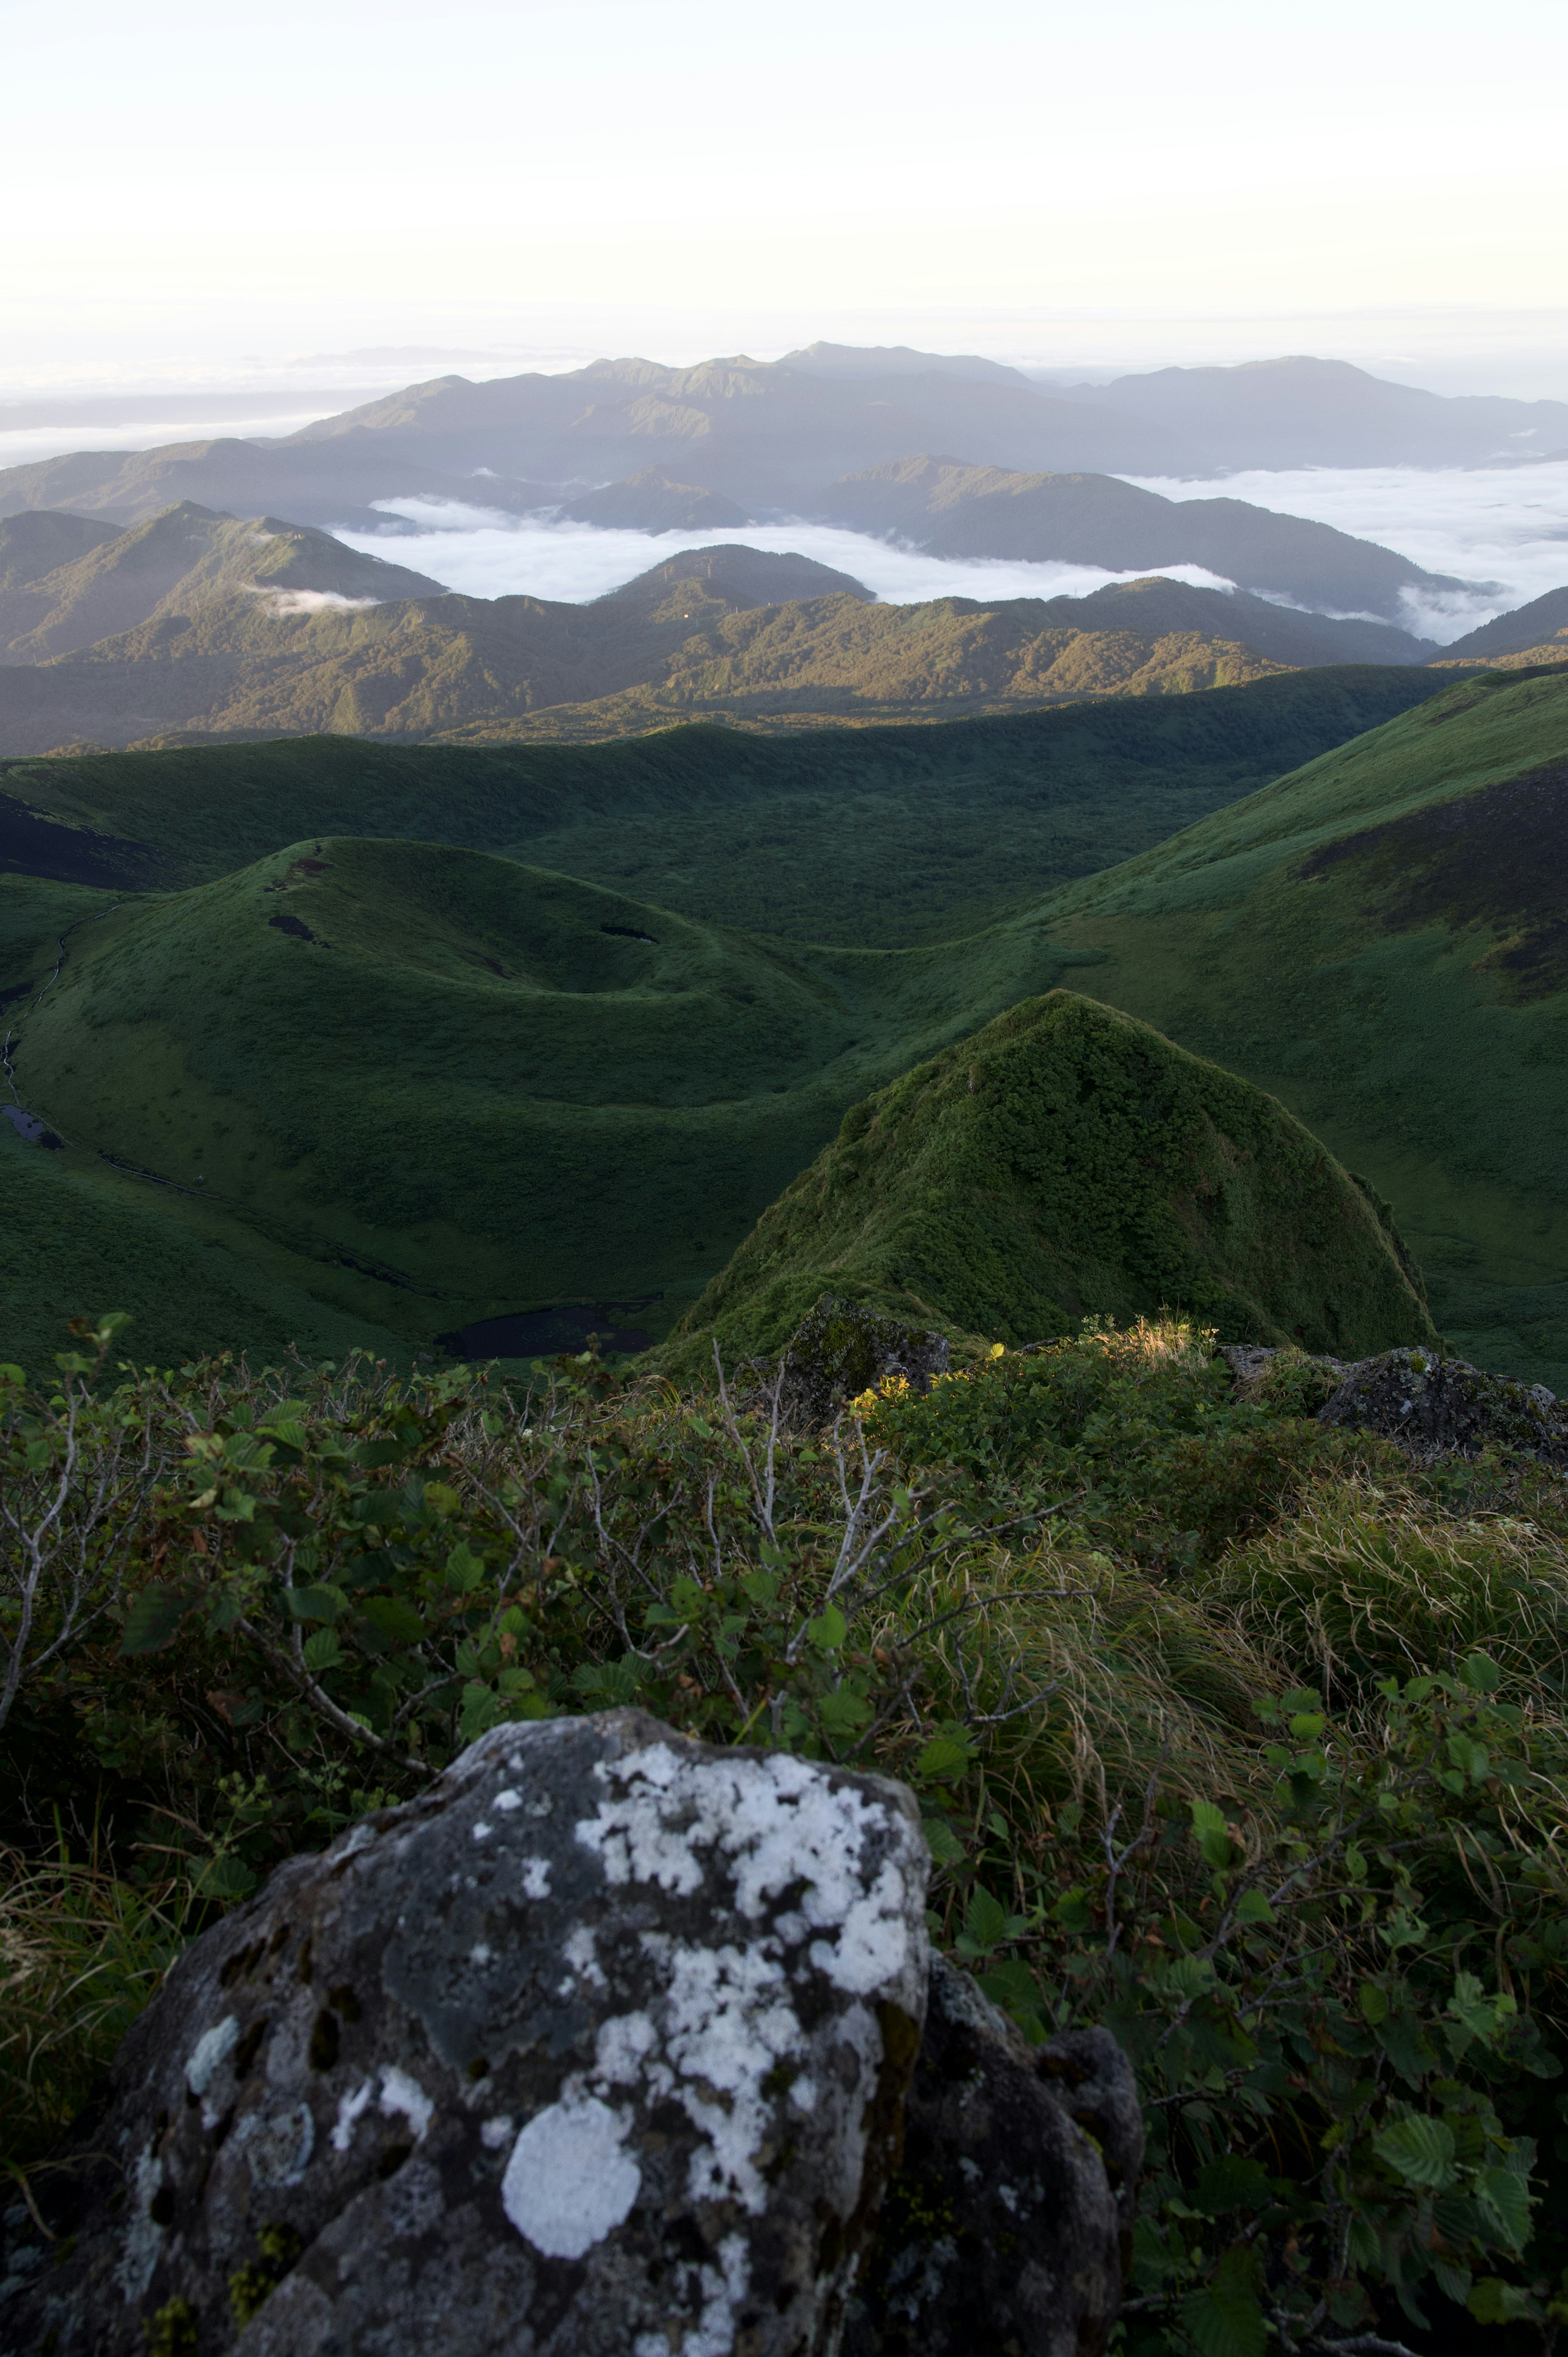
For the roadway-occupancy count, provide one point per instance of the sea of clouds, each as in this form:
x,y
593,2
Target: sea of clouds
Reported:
x,y
1502,525
1502,530
485,553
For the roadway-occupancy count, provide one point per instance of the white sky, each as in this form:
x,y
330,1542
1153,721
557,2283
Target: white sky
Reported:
x,y
185,185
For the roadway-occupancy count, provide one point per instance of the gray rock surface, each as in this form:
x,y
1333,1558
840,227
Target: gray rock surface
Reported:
x,y
840,1349
596,2050
1436,1406
1002,2232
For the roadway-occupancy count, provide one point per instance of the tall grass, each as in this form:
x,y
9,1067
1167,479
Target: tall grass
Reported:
x,y
81,1952
1366,1582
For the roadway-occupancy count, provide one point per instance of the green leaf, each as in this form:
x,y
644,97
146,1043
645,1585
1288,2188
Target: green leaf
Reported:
x,y
1012,1987
1420,2149
322,1650
942,1758
381,1506
1225,2319
465,1569
842,1710
316,1603
225,1878
1481,1674
1209,1830
1496,2302
481,1709
985,1919
286,1432
153,1617
1230,2183
829,1630
942,1842
1373,2002
393,1620
1505,2197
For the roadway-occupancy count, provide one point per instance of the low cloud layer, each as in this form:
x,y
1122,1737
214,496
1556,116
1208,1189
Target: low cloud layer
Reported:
x,y
485,554
1503,528
310,601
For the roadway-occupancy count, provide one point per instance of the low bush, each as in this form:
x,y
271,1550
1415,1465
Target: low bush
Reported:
x,y
1237,1733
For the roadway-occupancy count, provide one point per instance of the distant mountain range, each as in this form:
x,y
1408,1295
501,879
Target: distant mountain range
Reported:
x,y
196,625
958,453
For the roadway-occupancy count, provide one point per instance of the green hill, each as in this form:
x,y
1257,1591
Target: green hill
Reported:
x,y
888,835
1376,940
427,1084
1065,1161
433,1085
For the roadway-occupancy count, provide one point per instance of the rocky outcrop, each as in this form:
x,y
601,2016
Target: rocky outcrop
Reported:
x,y
598,2049
1003,2228
1436,1406
1432,1405
840,1349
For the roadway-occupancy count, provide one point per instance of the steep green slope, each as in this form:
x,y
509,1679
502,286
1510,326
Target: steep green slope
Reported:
x,y
477,1087
891,835
1378,940
1065,1161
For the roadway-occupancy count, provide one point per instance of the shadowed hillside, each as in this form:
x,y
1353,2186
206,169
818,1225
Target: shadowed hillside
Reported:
x,y
892,835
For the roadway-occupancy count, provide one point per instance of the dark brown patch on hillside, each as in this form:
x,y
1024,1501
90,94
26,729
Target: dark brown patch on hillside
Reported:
x,y
1499,858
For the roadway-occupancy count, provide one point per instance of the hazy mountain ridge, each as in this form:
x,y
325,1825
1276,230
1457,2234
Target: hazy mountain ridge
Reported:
x,y
951,509
631,442
185,557
235,629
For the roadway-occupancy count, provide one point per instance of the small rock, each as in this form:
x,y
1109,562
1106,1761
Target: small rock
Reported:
x,y
840,1349
595,2050
1436,1406
1003,2227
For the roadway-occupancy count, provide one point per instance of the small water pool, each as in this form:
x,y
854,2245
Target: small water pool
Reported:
x,y
546,1333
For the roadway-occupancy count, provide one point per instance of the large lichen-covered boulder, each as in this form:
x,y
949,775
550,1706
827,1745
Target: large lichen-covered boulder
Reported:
x,y
1005,2225
1067,1160
1436,1407
598,2049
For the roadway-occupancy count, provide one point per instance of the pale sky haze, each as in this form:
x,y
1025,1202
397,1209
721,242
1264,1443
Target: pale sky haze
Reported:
x,y
183,183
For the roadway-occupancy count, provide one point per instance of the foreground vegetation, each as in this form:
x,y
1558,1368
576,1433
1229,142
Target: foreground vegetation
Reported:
x,y
1239,1732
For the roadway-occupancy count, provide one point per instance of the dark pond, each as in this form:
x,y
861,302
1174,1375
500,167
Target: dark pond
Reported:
x,y
546,1333
28,1125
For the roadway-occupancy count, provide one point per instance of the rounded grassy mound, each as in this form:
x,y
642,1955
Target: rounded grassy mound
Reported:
x,y
1065,1161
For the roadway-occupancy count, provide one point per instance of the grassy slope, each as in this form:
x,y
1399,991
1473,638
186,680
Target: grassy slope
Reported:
x,y
475,1083
1065,1161
892,835
1387,1017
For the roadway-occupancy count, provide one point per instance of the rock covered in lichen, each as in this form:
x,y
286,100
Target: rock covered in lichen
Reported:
x,y
1004,2228
599,2046
1436,1407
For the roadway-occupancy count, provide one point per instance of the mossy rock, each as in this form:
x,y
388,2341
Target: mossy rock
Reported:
x,y
1068,1161
1436,1407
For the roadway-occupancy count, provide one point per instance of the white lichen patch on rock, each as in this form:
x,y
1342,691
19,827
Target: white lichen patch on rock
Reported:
x,y
771,1824
569,2180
